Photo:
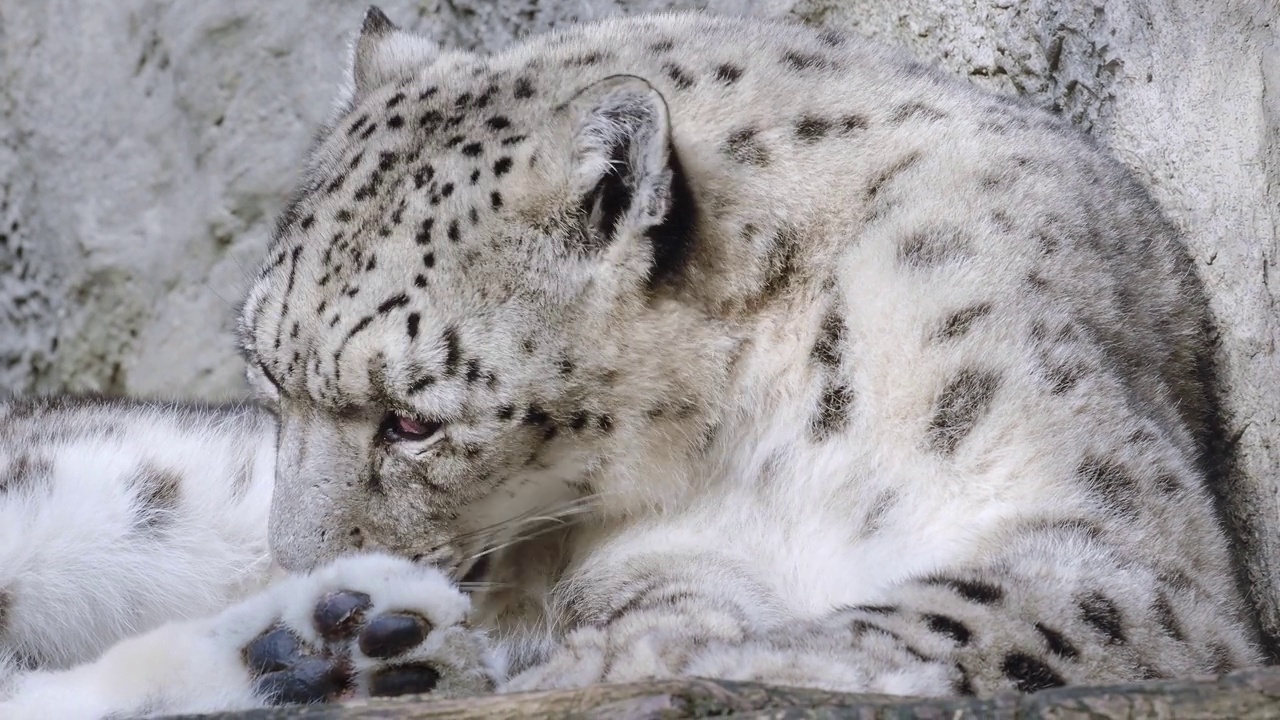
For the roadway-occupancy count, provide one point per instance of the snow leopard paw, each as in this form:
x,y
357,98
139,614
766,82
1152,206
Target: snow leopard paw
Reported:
x,y
367,626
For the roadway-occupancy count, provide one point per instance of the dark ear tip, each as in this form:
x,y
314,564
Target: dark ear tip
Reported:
x,y
376,23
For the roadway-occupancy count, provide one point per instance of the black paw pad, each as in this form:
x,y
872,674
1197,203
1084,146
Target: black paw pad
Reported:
x,y
339,613
392,634
274,650
309,680
403,680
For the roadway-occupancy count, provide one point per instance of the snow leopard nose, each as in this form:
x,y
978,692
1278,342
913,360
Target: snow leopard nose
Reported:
x,y
314,508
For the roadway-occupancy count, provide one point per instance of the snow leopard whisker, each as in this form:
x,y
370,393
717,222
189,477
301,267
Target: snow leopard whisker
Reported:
x,y
516,540
552,514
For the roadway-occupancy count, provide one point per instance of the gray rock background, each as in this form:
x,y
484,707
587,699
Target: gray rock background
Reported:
x,y
145,146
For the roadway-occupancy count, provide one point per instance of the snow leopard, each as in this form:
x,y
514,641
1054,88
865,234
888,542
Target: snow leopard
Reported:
x,y
661,346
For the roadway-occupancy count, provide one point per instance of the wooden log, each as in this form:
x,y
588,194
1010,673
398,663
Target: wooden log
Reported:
x,y
1247,694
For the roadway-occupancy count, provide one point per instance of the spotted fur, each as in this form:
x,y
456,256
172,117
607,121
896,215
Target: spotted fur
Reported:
x,y
856,377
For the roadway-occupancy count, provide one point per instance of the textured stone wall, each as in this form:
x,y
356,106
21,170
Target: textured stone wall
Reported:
x,y
145,146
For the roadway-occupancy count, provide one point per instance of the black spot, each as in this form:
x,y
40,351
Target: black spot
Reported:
x,y
395,122
453,230
931,247
421,384
950,627
958,323
826,349
429,260
728,74
972,590
6,605
678,75
307,222
473,370
472,149
495,200
833,412
831,38
1220,662
963,684
535,415
424,231
1111,481
743,146
423,176
373,127
806,61
412,324
431,120
498,122
343,216
357,328
662,46
395,100
446,190
359,123
1065,376
876,609
586,59
565,366
427,92
579,420
605,423
523,89
888,174
916,111
781,264
23,470
501,166
453,351
454,141
854,123
420,281
1166,618
1102,614
157,491
1030,674
392,303
513,140
960,407
505,412
1058,644
475,176
812,129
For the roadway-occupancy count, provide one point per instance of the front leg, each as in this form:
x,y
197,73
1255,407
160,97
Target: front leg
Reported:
x,y
364,626
646,617
1057,607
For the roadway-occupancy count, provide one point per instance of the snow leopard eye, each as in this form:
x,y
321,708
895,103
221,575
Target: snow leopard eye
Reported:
x,y
399,428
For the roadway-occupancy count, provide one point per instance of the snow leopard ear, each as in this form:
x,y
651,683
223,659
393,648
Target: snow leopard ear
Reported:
x,y
383,53
626,173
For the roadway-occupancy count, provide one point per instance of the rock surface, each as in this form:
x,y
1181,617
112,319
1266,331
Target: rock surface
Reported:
x,y
145,146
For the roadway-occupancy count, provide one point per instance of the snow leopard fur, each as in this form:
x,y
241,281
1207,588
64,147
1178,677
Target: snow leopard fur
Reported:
x,y
671,345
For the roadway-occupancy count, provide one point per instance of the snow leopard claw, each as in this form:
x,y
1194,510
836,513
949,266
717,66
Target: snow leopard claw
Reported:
x,y
286,674
338,614
404,680
309,680
393,634
272,651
